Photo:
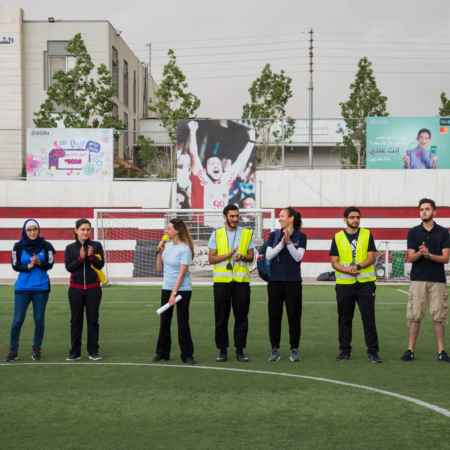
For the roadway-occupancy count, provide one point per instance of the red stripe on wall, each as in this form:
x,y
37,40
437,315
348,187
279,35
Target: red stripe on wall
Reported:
x,y
51,213
366,213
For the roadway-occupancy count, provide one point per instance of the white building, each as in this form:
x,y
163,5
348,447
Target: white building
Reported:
x,y
30,53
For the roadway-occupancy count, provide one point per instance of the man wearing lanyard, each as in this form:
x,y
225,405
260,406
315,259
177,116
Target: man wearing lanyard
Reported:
x,y
231,250
352,257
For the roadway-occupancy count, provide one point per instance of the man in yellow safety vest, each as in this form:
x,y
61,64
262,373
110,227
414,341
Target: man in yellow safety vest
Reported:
x,y
231,250
352,257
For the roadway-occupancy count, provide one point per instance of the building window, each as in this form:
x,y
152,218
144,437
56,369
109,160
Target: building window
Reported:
x,y
115,112
144,100
134,91
59,63
134,132
115,70
125,136
125,82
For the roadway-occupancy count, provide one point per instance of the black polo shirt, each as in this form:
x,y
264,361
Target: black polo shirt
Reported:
x,y
435,240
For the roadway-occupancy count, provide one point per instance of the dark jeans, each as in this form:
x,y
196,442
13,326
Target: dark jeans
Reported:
x,y
184,331
79,299
227,295
290,293
21,303
347,295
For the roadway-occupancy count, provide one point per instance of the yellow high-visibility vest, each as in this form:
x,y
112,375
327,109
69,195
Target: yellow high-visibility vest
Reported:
x,y
239,271
346,257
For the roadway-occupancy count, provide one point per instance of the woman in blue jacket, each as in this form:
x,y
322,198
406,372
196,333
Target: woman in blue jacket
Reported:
x,y
285,250
32,257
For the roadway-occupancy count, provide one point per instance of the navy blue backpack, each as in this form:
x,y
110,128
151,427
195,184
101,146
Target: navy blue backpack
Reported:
x,y
263,264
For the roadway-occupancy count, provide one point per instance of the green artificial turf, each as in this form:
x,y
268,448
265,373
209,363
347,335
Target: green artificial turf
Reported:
x,y
101,406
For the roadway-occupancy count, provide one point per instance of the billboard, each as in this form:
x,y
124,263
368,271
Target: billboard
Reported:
x,y
70,154
408,143
215,164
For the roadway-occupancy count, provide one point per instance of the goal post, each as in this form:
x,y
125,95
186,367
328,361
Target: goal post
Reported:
x,y
392,262
130,237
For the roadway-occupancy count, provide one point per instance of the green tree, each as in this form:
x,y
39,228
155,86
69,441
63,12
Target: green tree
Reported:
x,y
269,95
120,171
156,157
83,102
365,101
173,102
444,110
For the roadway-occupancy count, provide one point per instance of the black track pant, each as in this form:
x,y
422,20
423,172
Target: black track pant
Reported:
x,y
227,295
80,299
290,293
347,295
184,331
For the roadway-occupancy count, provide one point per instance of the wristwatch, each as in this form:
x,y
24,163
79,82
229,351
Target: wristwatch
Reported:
x,y
358,267
429,255
242,257
174,293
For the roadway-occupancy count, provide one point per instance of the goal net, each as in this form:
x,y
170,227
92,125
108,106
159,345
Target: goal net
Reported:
x,y
130,238
391,262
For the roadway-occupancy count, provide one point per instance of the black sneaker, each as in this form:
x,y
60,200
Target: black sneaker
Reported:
x,y
95,357
241,357
11,356
36,354
73,356
408,356
223,356
189,360
158,358
375,358
275,355
442,356
343,357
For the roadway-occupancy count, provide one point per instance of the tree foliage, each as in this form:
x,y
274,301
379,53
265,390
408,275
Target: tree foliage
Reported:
x,y
156,157
82,101
365,101
173,102
444,110
269,95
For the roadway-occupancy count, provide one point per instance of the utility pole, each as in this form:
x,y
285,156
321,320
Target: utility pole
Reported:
x,y
149,57
311,99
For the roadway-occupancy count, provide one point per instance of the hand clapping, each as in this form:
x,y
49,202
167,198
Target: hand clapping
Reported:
x,y
424,250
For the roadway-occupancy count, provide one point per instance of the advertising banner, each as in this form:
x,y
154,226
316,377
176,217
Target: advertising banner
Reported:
x,y
408,143
70,154
215,164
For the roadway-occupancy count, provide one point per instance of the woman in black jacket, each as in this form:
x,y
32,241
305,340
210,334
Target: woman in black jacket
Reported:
x,y
84,291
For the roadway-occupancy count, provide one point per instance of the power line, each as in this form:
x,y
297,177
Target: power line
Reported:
x,y
378,42
385,35
232,45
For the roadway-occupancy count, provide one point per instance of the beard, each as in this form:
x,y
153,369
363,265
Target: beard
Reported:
x,y
427,219
231,225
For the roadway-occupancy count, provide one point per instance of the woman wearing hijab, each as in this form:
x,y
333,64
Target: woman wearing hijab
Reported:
x,y
32,257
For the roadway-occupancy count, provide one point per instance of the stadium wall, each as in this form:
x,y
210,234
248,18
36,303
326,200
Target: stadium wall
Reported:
x,y
388,200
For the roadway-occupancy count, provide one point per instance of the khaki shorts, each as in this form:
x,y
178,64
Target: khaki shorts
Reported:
x,y
423,293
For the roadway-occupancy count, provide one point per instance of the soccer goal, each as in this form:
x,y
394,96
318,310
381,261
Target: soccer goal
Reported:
x,y
391,262
130,238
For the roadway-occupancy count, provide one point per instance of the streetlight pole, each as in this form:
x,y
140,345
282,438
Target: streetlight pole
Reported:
x,y
311,99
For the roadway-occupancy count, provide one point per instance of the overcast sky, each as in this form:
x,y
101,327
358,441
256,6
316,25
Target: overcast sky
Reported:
x,y
408,42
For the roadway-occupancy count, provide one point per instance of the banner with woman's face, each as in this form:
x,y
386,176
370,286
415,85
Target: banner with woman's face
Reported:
x,y
216,164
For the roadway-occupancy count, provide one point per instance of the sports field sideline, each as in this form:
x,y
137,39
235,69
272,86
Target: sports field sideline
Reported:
x,y
126,401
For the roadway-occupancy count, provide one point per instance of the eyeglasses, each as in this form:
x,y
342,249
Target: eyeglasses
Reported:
x,y
354,217
32,230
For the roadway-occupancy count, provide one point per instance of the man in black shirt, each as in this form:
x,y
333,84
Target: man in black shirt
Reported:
x,y
352,257
428,250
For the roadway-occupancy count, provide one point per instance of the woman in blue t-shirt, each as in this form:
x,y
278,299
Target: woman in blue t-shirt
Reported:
x,y
285,250
32,257
174,263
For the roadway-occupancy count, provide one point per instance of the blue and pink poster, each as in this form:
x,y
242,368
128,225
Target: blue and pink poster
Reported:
x,y
70,154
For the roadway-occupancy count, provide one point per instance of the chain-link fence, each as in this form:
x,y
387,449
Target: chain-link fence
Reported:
x,y
151,151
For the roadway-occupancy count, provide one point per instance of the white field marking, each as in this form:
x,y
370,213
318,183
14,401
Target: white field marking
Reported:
x,y
399,290
199,303
434,408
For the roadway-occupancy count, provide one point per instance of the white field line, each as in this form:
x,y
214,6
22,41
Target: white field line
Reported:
x,y
430,406
203,303
405,292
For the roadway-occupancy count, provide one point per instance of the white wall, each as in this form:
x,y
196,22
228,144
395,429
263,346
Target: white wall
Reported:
x,y
380,188
314,188
77,194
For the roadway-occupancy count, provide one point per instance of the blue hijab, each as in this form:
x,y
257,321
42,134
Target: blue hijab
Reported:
x,y
32,247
